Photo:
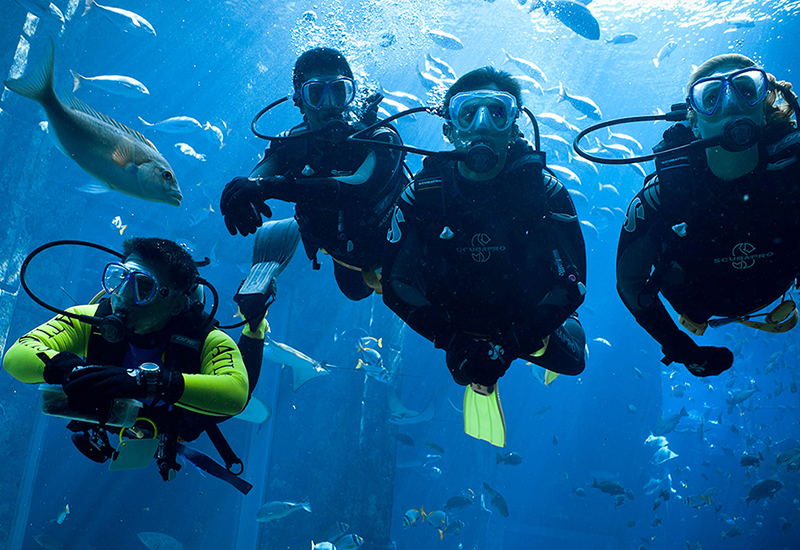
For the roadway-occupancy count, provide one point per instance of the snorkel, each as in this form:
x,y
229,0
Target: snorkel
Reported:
x,y
115,326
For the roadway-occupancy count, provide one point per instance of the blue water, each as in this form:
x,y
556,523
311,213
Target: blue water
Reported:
x,y
221,62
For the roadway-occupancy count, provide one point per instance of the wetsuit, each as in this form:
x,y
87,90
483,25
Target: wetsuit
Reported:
x,y
216,386
710,247
502,260
344,193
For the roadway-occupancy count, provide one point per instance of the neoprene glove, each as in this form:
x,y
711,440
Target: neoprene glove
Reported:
x,y
57,369
93,388
242,204
701,361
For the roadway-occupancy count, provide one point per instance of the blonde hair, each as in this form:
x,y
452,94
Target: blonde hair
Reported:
x,y
776,115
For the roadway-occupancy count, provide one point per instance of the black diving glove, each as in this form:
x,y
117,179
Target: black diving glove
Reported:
x,y
701,361
58,368
242,202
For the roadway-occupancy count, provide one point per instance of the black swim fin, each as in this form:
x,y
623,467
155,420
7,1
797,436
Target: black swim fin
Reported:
x,y
275,244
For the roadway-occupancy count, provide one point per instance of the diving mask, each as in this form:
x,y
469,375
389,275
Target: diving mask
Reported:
x,y
750,85
483,109
339,92
143,286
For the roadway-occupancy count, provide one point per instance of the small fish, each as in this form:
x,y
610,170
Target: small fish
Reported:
x,y
175,125
530,85
631,523
114,84
579,492
457,502
411,517
619,500
740,396
590,230
62,515
510,458
669,423
441,65
437,448
497,500
120,158
124,19
437,518
431,82
322,546
751,459
580,103
608,487
656,522
664,52
189,151
445,39
528,67
631,409
566,176
404,439
47,541
557,122
349,542
656,504
555,440
216,132
370,359
740,22
117,223
451,529
764,489
278,509
624,38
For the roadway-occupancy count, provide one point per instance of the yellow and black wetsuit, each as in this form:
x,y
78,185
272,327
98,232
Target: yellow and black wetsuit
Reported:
x,y
217,386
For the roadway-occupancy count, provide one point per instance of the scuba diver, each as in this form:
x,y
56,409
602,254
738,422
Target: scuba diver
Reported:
x,y
715,230
485,257
146,339
344,191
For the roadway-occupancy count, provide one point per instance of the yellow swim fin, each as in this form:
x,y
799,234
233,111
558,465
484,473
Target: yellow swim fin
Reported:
x,y
483,414
549,376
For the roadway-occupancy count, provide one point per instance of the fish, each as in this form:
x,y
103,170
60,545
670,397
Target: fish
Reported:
x,y
578,198
561,146
112,83
528,67
411,517
445,39
619,500
740,22
510,458
280,509
62,515
452,528
740,396
399,414
124,19
580,103
793,386
579,492
664,52
764,489
656,522
349,542
457,502
440,65
117,223
662,455
370,359
555,440
404,439
608,487
216,132
624,38
437,518
751,459
159,541
590,230
189,151
47,541
668,424
734,531
175,125
322,546
437,448
656,504
43,9
529,84
565,175
574,15
497,500
120,158
625,137
304,368
557,122
632,409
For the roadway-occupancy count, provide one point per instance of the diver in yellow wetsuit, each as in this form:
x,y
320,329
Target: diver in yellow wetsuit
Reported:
x,y
163,351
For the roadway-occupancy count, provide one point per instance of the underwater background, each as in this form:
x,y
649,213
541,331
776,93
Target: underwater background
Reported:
x,y
220,62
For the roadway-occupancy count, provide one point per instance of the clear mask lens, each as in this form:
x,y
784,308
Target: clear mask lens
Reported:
x,y
749,85
488,109
339,92
142,286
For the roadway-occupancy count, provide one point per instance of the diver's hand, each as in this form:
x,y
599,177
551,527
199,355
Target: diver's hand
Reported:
x,y
709,361
93,388
57,369
242,204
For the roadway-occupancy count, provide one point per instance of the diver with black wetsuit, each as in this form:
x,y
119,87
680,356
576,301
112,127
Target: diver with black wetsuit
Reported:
x,y
716,232
343,190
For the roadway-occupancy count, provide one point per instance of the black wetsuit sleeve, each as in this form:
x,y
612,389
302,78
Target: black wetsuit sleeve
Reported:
x,y
380,165
404,289
639,252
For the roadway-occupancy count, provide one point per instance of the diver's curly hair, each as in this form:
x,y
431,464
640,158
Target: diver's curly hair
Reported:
x,y
167,255
778,115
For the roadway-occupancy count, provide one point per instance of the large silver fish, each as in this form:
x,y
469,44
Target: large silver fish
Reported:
x,y
124,19
122,159
277,510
